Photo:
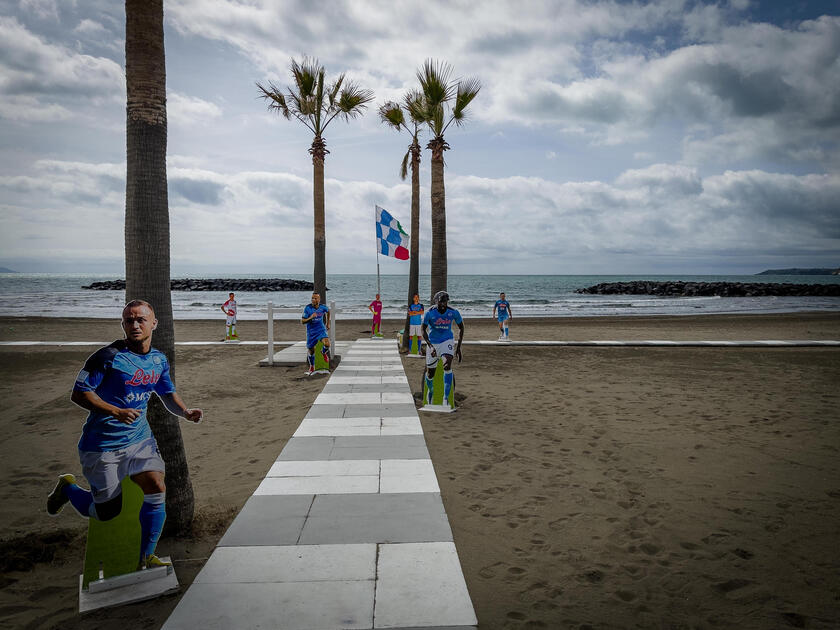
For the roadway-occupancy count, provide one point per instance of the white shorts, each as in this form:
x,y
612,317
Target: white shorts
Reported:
x,y
442,348
230,320
415,330
105,470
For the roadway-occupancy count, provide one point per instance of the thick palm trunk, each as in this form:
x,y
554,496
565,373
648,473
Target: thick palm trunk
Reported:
x,y
438,225
147,226
319,274
414,244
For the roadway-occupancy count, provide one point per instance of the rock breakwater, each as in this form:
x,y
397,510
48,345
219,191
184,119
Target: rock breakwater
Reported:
x,y
703,289
217,284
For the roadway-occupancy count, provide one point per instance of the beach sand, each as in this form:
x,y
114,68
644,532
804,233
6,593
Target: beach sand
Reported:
x,y
586,487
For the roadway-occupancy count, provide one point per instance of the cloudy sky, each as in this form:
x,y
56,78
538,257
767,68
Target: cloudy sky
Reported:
x,y
608,137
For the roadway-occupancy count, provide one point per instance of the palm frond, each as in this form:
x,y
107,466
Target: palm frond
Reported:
x,y
415,105
392,114
276,98
435,119
318,100
468,89
434,81
306,75
353,100
404,165
333,90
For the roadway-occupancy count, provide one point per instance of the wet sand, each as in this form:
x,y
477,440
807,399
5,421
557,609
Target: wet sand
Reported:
x,y
586,487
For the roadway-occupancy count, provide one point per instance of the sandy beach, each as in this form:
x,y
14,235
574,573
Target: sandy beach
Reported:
x,y
586,487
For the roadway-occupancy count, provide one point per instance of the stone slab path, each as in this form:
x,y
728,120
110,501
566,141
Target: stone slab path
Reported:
x,y
348,529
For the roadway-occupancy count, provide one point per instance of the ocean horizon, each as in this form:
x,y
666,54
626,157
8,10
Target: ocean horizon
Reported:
x,y
61,295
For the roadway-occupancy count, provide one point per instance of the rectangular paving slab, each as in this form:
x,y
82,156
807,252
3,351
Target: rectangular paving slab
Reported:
x,y
355,447
268,520
389,410
279,606
376,518
421,585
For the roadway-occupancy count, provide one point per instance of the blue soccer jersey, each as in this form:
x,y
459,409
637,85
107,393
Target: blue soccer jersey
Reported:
x,y
502,309
415,312
126,380
439,324
315,328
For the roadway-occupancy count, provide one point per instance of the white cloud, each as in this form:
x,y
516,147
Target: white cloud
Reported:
x,y
35,73
267,217
90,28
184,109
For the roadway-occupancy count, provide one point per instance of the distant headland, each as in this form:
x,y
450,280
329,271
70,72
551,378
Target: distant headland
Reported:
x,y
801,272
217,284
7,270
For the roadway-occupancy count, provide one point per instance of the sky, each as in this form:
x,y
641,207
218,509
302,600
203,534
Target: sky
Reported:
x,y
609,137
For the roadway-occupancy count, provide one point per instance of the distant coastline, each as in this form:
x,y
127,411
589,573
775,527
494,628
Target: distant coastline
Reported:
x,y
801,272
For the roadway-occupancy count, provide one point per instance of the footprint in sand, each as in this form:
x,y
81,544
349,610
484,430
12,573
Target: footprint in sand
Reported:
x,y
731,585
490,570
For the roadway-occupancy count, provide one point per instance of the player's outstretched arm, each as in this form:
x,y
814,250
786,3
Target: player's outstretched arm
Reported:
x,y
460,339
176,407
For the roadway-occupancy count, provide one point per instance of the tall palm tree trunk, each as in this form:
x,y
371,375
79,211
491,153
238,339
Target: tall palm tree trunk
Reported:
x,y
439,274
319,274
414,243
147,226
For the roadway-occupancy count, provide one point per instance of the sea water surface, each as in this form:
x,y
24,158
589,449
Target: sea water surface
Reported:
x,y
61,295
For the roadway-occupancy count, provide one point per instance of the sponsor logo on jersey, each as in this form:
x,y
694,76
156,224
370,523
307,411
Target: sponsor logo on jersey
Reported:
x,y
141,377
139,397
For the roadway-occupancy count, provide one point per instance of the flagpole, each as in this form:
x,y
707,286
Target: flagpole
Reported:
x,y
376,241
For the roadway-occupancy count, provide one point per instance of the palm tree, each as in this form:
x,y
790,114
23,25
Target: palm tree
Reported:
x,y
147,226
392,114
438,91
316,105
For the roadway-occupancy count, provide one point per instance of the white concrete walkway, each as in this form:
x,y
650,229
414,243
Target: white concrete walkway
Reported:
x,y
347,530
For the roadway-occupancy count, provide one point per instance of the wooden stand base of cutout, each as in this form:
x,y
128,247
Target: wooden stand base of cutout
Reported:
x,y
127,588
112,553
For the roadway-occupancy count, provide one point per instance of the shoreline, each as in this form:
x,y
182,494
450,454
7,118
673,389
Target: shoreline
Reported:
x,y
811,325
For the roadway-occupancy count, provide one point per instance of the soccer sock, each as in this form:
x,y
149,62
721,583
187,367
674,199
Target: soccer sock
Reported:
x,y
447,385
311,359
233,331
325,350
152,517
430,389
80,499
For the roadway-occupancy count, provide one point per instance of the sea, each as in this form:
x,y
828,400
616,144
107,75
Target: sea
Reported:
x,y
61,295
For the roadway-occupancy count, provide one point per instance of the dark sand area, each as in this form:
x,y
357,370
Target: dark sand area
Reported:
x,y
586,487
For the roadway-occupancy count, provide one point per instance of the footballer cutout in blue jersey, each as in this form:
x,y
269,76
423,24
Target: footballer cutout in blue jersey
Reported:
x,y
315,328
126,380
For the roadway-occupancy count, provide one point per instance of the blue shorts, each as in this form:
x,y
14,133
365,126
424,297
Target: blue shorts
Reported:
x,y
503,317
312,339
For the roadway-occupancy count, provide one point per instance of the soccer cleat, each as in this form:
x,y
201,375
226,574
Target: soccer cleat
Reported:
x,y
152,562
311,369
57,498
